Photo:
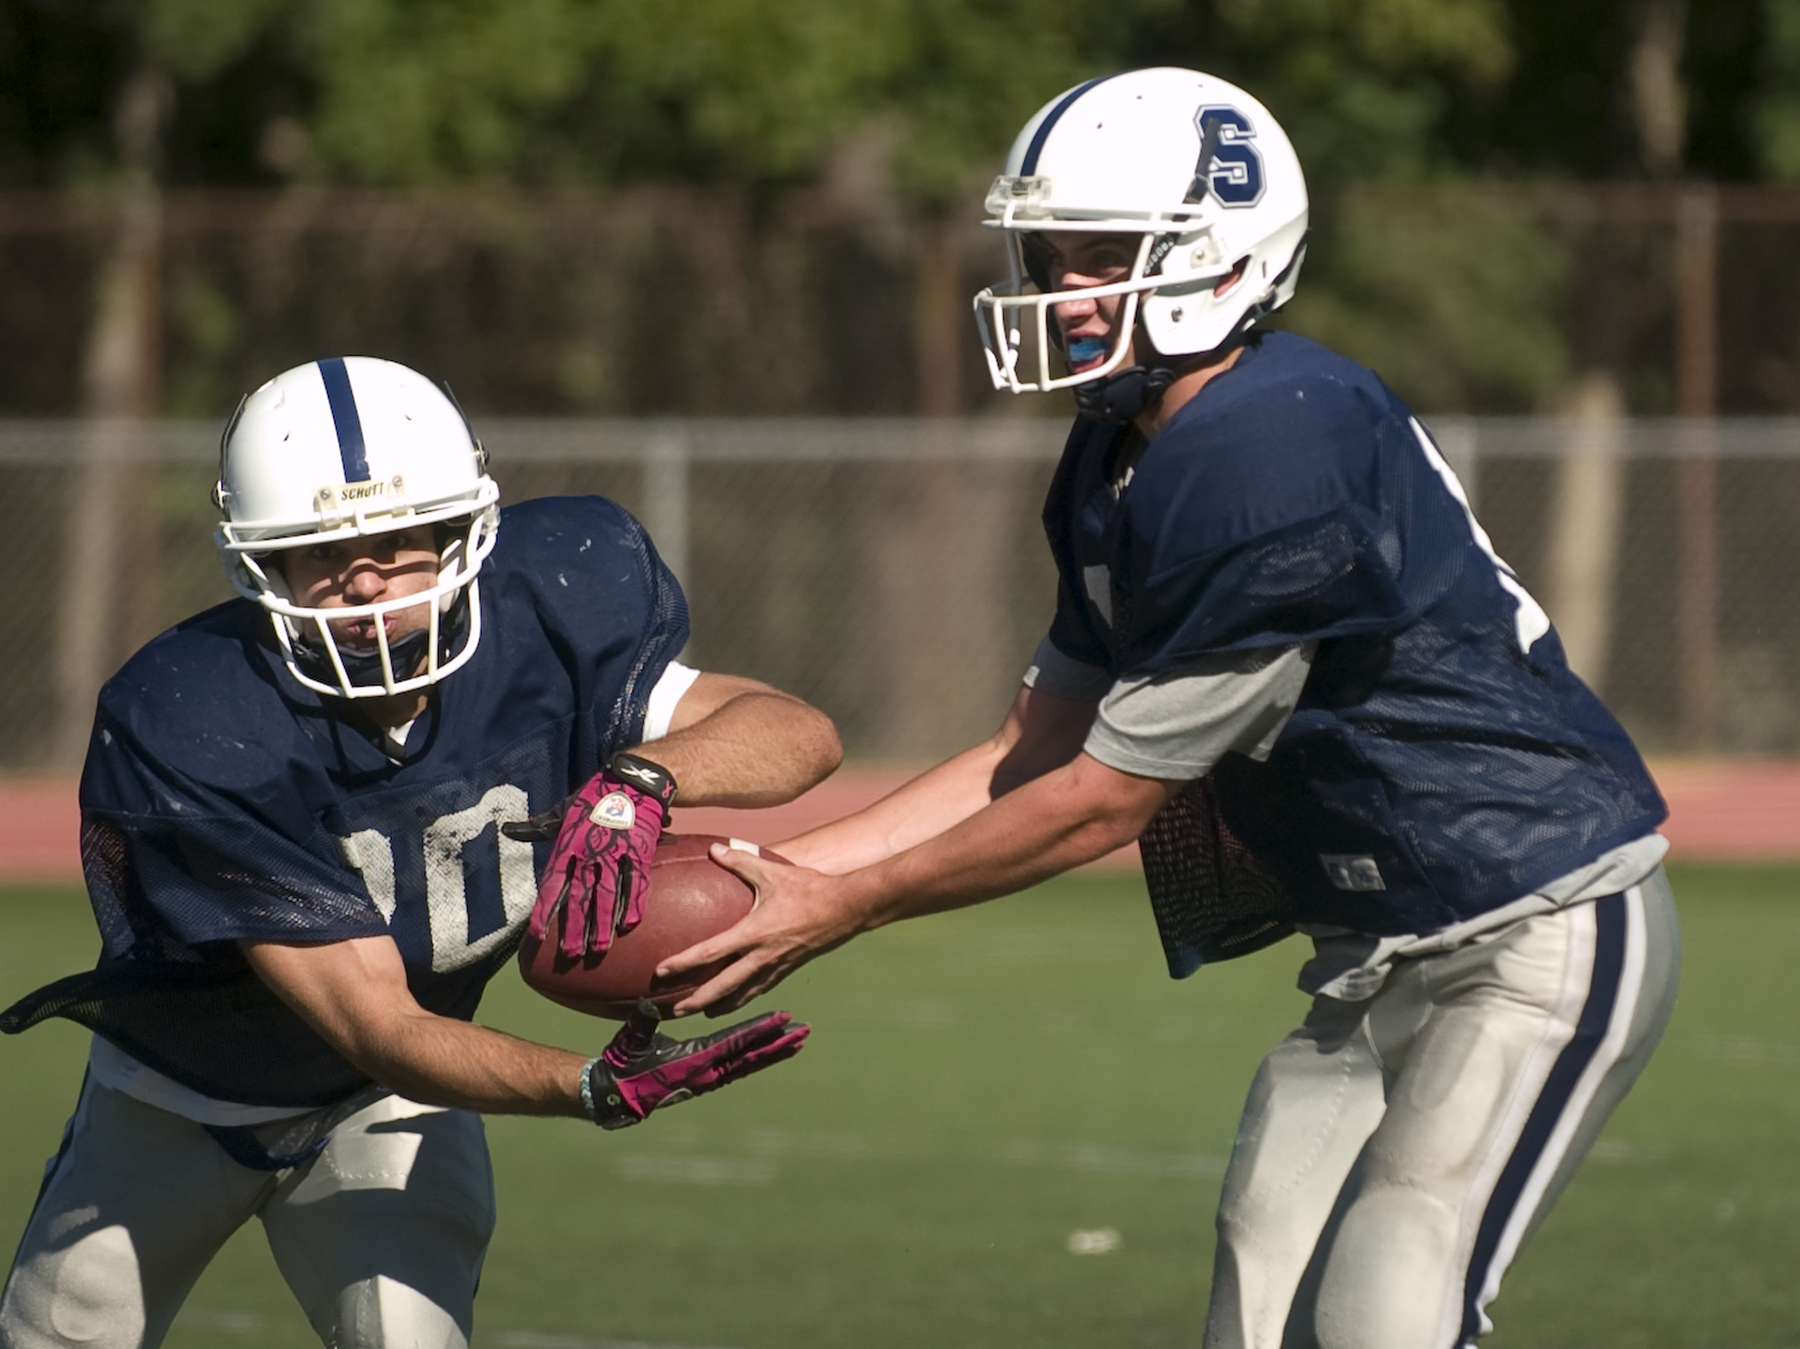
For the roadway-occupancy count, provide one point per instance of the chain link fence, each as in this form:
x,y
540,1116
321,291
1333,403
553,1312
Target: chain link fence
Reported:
x,y
831,300
893,571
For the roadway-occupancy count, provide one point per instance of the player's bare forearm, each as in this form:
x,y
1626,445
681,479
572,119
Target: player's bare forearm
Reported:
x,y
1056,821
438,1060
1049,824
354,994
737,742
922,808
1040,734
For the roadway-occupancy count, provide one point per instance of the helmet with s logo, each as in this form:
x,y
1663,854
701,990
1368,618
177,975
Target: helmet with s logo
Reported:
x,y
1194,172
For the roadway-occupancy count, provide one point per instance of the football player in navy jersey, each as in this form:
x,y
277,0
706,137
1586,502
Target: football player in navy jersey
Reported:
x,y
1285,659
312,822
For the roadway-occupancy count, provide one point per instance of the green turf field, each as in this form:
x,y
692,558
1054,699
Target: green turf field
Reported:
x,y
987,1091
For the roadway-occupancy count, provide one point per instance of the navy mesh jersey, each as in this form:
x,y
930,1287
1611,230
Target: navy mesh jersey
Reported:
x,y
1443,760
222,801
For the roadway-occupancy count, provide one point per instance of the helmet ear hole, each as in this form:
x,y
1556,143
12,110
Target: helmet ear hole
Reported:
x,y
1232,280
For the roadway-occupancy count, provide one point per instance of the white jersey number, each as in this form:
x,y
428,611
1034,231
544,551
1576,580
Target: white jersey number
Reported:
x,y
1531,622
447,875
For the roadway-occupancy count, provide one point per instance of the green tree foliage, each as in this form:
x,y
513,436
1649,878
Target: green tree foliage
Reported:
x,y
764,93
1778,108
196,39
1452,301
406,92
397,92
1362,86
1448,297
400,92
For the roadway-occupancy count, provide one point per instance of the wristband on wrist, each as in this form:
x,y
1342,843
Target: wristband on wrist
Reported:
x,y
650,778
587,1089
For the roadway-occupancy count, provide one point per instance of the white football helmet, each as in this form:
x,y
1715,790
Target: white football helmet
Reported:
x,y
346,448
1193,166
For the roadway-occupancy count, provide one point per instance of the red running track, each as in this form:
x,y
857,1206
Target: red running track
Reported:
x,y
1719,810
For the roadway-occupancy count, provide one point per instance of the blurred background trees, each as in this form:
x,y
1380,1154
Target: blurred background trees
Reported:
x,y
765,208
754,206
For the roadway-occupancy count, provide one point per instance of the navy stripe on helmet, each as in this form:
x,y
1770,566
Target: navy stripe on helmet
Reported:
x,y
344,415
1042,134
1611,916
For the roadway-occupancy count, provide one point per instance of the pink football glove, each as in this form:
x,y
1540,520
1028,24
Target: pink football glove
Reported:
x,y
642,1069
599,868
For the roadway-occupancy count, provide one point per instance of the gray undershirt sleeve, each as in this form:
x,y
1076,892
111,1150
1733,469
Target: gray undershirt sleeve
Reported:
x,y
1177,725
1063,676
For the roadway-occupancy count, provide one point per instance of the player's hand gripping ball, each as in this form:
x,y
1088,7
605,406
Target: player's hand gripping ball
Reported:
x,y
690,898
642,1069
599,868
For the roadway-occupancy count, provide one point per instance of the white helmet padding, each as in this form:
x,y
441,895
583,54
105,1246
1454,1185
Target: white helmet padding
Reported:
x,y
349,448
1193,167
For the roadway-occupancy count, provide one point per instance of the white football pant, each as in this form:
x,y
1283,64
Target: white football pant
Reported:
x,y
1395,1154
380,1237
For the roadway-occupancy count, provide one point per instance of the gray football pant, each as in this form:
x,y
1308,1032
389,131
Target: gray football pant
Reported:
x,y
381,1237
1395,1154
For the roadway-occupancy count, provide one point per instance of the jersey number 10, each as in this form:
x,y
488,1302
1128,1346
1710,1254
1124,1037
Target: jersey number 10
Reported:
x,y
456,875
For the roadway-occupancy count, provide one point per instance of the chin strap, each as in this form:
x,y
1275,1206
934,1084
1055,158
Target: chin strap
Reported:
x,y
364,667
1124,395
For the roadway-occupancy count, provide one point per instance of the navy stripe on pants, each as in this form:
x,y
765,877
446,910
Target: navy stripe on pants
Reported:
x,y
1610,919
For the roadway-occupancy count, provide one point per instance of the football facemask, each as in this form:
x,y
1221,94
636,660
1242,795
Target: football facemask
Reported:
x,y
1194,172
343,450
441,639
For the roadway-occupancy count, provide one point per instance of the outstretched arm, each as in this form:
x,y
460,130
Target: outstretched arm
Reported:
x,y
1069,783
999,818
354,994
1040,734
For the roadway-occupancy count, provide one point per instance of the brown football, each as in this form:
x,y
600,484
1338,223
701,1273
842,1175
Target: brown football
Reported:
x,y
691,897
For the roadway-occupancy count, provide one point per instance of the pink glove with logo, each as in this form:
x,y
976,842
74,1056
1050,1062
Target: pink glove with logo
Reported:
x,y
642,1069
599,869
